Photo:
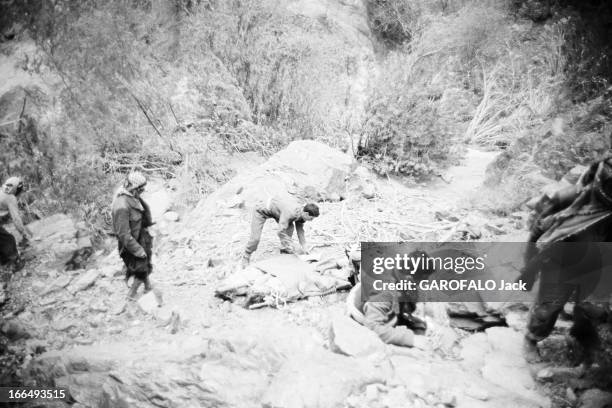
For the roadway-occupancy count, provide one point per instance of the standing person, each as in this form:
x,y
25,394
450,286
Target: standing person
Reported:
x,y
563,251
8,209
131,218
289,214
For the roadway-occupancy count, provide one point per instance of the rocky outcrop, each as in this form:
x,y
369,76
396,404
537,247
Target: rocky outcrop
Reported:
x,y
307,169
202,372
61,242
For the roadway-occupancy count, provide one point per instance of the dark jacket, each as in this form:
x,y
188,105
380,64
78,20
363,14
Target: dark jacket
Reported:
x,y
131,216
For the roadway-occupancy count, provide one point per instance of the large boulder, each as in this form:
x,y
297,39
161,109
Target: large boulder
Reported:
x,y
191,372
306,169
348,337
321,379
60,241
311,169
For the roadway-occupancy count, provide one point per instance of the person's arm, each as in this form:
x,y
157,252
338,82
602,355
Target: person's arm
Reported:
x,y
299,229
377,319
16,217
121,224
283,225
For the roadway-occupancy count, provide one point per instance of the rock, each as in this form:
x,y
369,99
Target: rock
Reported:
x,y
111,271
448,398
474,349
595,398
85,280
396,397
519,215
112,259
447,337
446,216
96,321
348,337
545,374
477,393
306,377
214,262
313,164
15,330
363,181
509,375
369,191
554,348
34,346
506,340
372,392
58,284
517,320
236,201
307,169
58,236
171,216
57,227
334,197
159,202
570,395
148,303
64,324
494,229
164,315
560,374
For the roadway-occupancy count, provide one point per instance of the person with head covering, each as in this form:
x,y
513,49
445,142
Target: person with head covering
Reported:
x,y
289,214
9,211
131,218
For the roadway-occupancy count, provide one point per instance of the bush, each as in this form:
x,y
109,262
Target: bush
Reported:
x,y
391,20
288,68
405,130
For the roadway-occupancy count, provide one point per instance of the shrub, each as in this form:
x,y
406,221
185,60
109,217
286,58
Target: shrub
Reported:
x,y
405,130
391,20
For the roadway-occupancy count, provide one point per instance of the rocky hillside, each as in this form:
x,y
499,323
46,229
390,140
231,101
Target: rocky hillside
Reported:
x,y
390,114
71,328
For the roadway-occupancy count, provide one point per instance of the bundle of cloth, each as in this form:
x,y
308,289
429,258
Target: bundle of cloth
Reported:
x,y
285,278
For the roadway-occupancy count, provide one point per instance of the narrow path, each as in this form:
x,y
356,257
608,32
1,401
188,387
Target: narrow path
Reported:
x,y
223,355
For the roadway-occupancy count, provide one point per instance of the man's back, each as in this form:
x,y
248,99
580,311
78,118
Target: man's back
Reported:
x,y
8,203
282,206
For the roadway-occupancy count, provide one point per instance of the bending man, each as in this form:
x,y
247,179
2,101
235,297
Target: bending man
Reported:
x,y
289,214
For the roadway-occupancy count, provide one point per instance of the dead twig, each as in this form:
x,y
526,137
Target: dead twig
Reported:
x,y
174,114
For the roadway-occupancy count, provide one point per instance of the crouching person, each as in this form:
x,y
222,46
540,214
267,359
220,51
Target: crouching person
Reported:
x,y
389,314
388,317
131,218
